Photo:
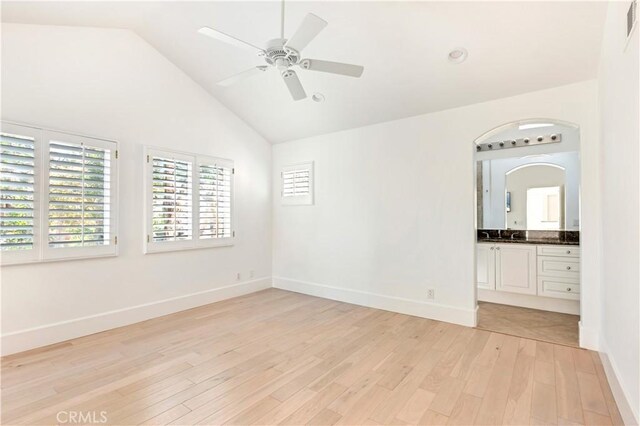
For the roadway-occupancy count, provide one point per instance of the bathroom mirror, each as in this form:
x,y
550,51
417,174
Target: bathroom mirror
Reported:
x,y
534,192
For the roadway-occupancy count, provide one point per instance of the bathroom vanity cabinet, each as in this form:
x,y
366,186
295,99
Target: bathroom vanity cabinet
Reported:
x,y
551,271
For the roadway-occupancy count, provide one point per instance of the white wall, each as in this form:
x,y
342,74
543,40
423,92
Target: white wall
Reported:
x,y
620,113
395,206
112,84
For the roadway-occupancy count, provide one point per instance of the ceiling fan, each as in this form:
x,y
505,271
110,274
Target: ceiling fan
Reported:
x,y
283,54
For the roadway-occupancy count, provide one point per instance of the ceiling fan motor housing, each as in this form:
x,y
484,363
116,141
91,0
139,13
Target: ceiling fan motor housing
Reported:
x,y
276,55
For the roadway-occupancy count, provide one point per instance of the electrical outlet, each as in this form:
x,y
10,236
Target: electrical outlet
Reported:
x,y
431,294
238,276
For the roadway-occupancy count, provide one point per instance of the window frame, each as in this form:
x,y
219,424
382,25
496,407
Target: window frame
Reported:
x,y
33,255
195,242
90,251
41,252
298,200
213,242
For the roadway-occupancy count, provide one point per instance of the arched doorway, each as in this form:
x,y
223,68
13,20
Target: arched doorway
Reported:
x,y
528,228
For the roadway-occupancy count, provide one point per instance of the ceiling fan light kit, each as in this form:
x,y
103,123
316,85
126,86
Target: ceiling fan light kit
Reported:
x,y
283,54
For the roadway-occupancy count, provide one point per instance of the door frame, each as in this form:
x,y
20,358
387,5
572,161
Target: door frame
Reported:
x,y
584,342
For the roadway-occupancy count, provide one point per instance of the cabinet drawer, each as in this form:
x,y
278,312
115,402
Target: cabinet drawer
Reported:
x,y
559,288
563,267
568,251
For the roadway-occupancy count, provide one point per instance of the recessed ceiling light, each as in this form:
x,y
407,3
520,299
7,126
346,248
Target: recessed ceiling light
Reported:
x,y
318,97
458,55
533,126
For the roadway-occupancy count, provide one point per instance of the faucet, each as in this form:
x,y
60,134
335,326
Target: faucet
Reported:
x,y
514,234
486,234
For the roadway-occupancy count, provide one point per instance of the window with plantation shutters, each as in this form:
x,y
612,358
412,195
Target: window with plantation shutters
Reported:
x,y
188,201
17,192
297,184
172,210
58,195
79,195
214,207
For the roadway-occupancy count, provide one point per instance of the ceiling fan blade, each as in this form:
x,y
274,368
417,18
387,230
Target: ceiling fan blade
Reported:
x,y
307,31
332,67
293,84
219,35
242,75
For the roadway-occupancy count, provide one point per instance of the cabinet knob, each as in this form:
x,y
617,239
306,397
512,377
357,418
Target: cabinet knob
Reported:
x,y
497,248
568,288
491,248
568,268
568,251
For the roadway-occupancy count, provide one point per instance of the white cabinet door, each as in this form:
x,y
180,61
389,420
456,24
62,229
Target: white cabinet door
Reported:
x,y
486,267
516,268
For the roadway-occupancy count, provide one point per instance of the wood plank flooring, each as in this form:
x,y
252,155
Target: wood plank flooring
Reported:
x,y
552,327
277,357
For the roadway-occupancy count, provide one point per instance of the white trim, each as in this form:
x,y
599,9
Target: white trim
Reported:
x,y
619,394
475,316
589,337
23,340
446,313
530,301
51,129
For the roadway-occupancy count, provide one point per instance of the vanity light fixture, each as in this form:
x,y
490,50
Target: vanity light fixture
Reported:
x,y
516,143
458,55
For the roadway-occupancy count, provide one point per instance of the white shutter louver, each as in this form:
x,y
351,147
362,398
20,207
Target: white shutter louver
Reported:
x,y
172,209
17,190
80,179
297,184
214,201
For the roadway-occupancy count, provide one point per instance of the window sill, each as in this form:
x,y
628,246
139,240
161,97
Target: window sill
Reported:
x,y
159,248
18,262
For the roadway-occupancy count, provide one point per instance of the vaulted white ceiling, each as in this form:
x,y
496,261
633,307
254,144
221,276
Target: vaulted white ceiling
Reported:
x,y
514,47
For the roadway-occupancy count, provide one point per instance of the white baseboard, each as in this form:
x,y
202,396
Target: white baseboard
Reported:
x,y
630,416
23,340
452,314
529,301
589,337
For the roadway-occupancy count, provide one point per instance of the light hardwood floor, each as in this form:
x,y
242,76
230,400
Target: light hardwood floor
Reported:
x,y
547,326
277,357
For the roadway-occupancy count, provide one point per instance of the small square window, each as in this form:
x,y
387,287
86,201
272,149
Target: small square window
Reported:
x,y
296,187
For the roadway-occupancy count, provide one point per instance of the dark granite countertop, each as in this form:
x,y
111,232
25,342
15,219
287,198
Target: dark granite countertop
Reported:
x,y
569,238
528,241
